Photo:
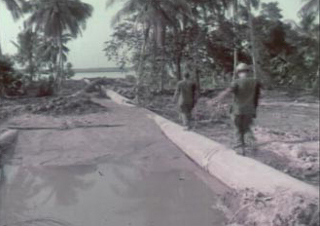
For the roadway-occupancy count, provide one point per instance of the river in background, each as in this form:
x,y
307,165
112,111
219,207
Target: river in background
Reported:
x,y
82,75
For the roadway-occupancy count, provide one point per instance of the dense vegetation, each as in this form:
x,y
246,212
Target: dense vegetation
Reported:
x,y
209,37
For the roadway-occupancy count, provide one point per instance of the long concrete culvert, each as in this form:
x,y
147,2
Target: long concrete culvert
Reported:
x,y
118,98
235,171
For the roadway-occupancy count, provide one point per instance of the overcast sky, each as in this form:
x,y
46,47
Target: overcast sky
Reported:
x,y
86,51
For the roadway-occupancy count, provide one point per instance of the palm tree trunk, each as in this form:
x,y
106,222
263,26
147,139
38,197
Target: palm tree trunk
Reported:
x,y
252,38
31,69
315,85
235,50
178,54
198,85
0,42
140,69
60,64
178,65
58,68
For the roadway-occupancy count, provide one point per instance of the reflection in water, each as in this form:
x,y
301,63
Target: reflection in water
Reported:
x,y
113,194
15,195
27,188
63,182
165,198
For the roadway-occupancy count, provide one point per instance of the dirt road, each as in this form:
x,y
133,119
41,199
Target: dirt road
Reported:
x,y
122,173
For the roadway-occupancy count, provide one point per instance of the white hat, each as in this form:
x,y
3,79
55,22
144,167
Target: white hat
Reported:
x,y
242,67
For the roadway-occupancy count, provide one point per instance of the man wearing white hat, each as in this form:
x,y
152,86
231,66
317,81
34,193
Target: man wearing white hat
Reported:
x,y
246,91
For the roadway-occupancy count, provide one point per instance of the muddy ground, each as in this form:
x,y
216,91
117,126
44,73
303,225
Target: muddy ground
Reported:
x,y
62,104
286,128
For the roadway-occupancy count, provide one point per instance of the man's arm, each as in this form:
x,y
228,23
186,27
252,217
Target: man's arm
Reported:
x,y
196,92
257,95
221,96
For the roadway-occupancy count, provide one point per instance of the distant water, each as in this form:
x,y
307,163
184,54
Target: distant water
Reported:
x,y
79,76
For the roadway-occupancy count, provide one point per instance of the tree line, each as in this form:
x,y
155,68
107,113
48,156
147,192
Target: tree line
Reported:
x,y
42,45
163,39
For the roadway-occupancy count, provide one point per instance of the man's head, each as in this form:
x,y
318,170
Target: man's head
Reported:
x,y
242,70
186,75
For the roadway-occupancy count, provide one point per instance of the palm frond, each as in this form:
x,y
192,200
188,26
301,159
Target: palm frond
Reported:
x,y
15,44
15,7
310,7
110,3
55,17
129,8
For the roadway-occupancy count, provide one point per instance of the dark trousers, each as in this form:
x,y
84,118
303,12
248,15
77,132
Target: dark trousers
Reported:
x,y
242,128
185,114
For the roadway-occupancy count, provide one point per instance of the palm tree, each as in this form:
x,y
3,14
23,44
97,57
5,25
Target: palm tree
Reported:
x,y
15,7
27,51
153,17
56,18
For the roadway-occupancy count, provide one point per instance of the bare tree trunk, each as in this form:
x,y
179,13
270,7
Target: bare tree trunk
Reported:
x,y
196,59
163,53
155,60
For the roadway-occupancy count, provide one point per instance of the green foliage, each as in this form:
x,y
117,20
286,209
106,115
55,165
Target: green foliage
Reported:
x,y
28,55
69,72
11,81
124,44
6,71
271,11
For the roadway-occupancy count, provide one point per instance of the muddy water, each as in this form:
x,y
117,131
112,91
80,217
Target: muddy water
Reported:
x,y
107,194
122,176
